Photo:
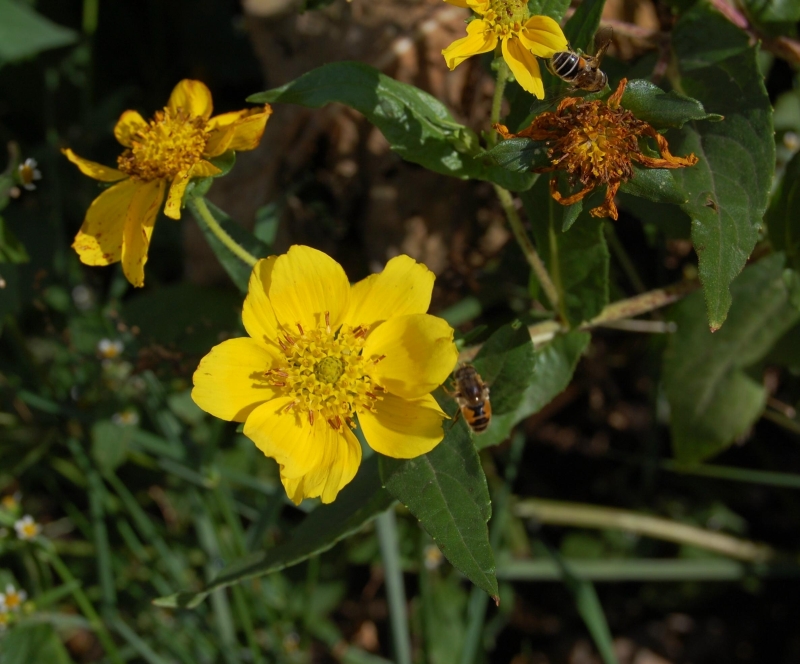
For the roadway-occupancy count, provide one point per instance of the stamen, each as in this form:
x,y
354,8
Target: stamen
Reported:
x,y
371,395
282,345
328,322
378,359
378,388
279,384
290,406
289,339
311,417
359,332
350,422
300,327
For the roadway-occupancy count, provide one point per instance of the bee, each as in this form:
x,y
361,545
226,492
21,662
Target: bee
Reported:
x,y
583,71
472,397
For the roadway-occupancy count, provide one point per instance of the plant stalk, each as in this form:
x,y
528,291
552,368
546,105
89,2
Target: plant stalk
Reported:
x,y
200,207
393,574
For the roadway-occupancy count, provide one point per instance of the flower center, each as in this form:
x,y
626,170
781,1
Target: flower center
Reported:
x,y
171,143
13,600
507,15
326,374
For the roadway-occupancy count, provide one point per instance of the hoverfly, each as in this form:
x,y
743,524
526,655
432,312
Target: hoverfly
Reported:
x,y
472,397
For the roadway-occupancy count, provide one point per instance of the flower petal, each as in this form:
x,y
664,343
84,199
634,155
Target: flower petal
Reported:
x,y
93,169
402,428
404,287
419,351
193,97
99,241
218,140
524,66
258,315
230,383
543,36
479,39
205,169
248,126
142,214
306,284
128,124
316,460
175,195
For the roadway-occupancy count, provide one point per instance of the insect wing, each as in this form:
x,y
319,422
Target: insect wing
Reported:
x,y
602,40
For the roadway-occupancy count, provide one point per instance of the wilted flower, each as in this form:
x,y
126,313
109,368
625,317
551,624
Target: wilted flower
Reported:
x,y
12,599
28,173
595,143
161,156
27,528
110,349
321,354
523,38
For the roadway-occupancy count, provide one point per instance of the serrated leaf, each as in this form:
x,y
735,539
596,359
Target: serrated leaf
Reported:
x,y
577,259
554,364
446,491
356,505
418,127
519,155
238,270
24,32
783,216
654,184
727,190
712,400
662,109
505,362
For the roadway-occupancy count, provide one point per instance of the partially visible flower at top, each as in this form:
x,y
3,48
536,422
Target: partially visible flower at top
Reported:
x,y
595,143
523,38
12,599
162,155
28,173
127,418
322,353
110,349
27,528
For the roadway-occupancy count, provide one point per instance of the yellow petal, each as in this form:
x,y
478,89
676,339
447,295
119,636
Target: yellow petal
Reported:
x,y
402,428
315,460
306,284
99,241
142,214
230,383
128,124
404,287
93,169
204,169
192,97
543,36
419,351
248,126
480,39
175,196
524,66
219,140
257,314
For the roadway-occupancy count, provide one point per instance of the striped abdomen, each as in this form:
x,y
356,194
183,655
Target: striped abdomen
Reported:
x,y
566,65
478,417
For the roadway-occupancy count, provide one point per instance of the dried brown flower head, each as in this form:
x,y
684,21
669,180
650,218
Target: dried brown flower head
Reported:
x,y
595,143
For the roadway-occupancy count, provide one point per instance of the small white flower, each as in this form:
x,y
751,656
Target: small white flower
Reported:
x,y
28,173
433,557
109,349
128,418
27,528
83,297
12,599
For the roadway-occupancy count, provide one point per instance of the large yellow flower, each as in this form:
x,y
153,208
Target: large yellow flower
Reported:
x,y
322,354
163,154
523,38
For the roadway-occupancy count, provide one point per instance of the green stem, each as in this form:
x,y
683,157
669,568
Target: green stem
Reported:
x,y
555,262
86,607
623,258
200,207
396,594
529,251
497,100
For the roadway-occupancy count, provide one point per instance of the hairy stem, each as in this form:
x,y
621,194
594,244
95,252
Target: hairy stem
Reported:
x,y
201,210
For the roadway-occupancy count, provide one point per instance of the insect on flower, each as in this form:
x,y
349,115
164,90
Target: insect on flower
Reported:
x,y
472,397
583,71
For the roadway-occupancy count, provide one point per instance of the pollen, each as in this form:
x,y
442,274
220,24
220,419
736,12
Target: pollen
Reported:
x,y
325,374
171,143
507,15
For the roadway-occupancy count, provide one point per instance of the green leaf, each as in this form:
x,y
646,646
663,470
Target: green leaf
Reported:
x,y
713,401
357,504
28,643
783,216
582,25
577,260
238,270
662,109
703,38
505,362
554,364
555,9
24,32
727,190
199,186
654,184
11,249
446,490
519,155
418,126
110,444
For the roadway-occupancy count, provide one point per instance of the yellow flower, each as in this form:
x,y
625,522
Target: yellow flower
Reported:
x,y
523,38
321,354
12,599
163,154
